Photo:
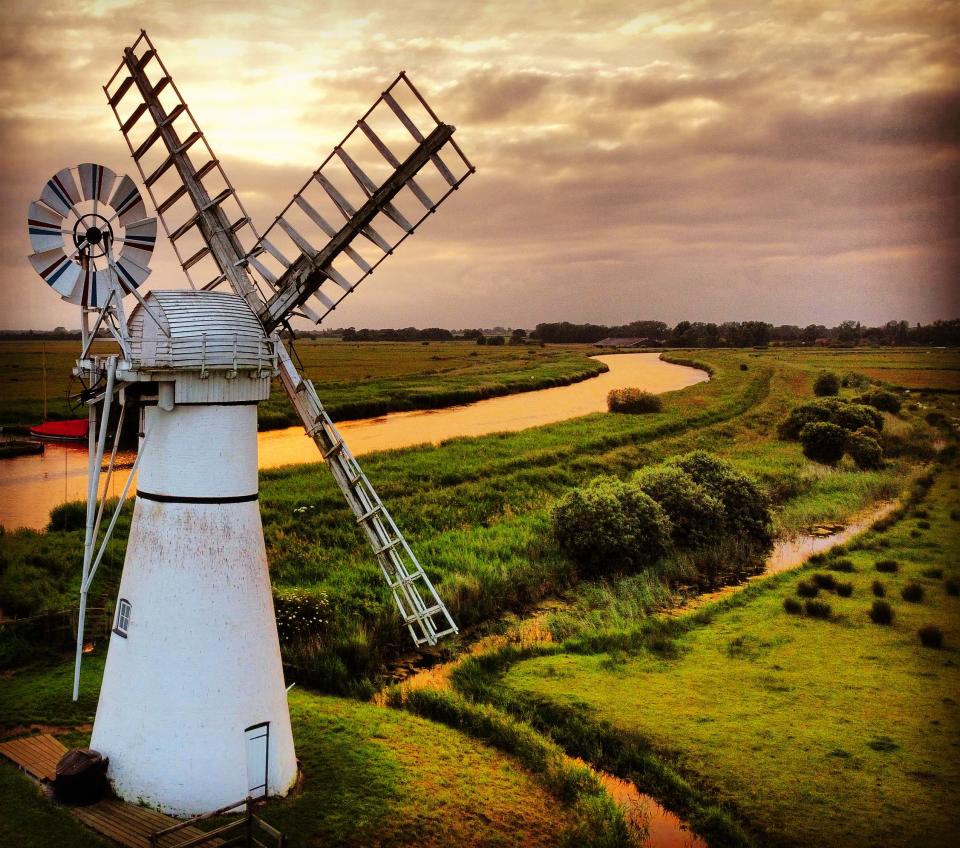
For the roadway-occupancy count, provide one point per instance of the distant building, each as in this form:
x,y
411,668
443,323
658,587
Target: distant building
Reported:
x,y
626,343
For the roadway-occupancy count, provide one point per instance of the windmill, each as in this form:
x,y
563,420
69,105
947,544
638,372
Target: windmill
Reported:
x,y
193,711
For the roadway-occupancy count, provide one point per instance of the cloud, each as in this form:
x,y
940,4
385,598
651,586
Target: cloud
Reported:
x,y
795,162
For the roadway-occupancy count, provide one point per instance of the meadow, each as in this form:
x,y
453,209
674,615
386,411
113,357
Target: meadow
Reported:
x,y
477,511
354,380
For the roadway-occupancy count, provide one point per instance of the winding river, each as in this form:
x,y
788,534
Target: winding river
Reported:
x,y
30,486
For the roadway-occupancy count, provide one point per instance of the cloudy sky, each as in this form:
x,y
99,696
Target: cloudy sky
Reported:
x,y
795,162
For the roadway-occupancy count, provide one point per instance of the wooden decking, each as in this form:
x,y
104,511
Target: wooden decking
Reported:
x,y
122,823
132,826
36,755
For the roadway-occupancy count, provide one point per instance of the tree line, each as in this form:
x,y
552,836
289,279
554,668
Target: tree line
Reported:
x,y
755,333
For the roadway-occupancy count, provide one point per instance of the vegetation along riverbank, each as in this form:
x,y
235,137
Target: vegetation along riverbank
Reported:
x,y
653,699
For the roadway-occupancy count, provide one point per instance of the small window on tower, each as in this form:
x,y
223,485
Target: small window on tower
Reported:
x,y
123,618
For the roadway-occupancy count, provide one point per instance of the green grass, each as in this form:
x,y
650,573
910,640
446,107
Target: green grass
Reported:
x,y
476,509
354,380
371,775
815,732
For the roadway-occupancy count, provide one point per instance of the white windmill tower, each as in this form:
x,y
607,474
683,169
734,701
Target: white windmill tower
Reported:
x,y
193,711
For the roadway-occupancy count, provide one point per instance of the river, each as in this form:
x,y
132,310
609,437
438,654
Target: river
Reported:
x,y
30,486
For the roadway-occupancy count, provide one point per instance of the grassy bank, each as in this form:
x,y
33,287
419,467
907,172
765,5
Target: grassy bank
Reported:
x,y
476,510
371,776
354,380
768,727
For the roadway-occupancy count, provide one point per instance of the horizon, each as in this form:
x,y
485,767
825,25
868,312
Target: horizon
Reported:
x,y
794,165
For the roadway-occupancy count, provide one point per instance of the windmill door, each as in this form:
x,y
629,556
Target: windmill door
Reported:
x,y
258,759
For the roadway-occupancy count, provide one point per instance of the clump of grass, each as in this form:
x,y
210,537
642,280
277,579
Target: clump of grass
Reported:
x,y
931,636
807,590
915,534
952,587
816,559
887,566
933,573
883,543
878,589
817,609
912,592
923,525
844,590
824,581
844,565
955,515
633,401
881,613
921,513
792,606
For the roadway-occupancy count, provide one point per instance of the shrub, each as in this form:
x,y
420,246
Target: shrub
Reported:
x,y
823,442
817,609
855,380
869,432
952,587
844,590
881,399
633,401
844,565
881,613
923,525
744,366
931,636
887,566
746,508
864,451
792,606
932,573
610,525
824,581
912,592
878,589
826,384
853,416
697,517
807,590
850,416
71,515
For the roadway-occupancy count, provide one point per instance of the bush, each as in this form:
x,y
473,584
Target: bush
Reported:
x,y
792,606
932,573
844,590
869,432
823,442
744,366
850,416
855,380
844,565
826,384
931,636
826,582
817,609
746,508
923,525
633,401
952,587
887,566
912,592
610,525
881,613
697,517
878,589
881,399
71,515
864,451
807,590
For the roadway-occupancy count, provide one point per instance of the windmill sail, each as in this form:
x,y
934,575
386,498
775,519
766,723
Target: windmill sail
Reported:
x,y
391,171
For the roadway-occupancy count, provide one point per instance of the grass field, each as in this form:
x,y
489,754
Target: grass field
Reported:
x,y
371,776
354,380
803,731
477,513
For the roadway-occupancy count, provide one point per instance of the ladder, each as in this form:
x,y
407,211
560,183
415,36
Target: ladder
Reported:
x,y
424,614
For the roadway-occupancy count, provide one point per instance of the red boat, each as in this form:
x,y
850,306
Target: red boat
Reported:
x,y
62,431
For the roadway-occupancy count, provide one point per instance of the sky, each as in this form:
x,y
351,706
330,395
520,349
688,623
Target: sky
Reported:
x,y
793,162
